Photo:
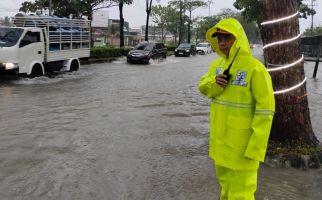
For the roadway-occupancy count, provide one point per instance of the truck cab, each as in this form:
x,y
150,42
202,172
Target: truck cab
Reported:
x,y
21,49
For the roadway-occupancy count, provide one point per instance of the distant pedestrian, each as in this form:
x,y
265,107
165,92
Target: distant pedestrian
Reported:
x,y
241,110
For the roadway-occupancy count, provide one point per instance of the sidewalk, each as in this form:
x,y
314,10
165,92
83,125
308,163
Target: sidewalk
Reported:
x,y
314,90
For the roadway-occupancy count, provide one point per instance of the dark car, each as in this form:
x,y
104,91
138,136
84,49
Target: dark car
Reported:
x,y
185,49
144,51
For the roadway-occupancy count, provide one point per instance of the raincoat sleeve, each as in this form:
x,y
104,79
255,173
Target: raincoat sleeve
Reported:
x,y
208,85
262,90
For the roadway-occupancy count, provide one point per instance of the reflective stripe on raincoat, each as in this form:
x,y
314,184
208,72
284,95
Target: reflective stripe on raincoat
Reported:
x,y
241,114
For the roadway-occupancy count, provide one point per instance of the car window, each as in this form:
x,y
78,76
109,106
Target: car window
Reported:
x,y
185,45
144,46
29,38
203,45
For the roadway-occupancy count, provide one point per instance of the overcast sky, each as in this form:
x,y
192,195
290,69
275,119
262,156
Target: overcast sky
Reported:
x,y
135,14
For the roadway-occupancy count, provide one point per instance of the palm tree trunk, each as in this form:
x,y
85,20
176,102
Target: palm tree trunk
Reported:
x,y
148,12
180,23
121,24
292,117
189,26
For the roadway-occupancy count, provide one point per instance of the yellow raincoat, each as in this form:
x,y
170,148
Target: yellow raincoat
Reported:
x,y
241,114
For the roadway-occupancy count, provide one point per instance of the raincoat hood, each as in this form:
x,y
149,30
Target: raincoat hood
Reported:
x,y
232,26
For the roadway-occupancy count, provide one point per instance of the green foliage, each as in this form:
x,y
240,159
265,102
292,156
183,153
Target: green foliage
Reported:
x,y
252,9
316,31
171,47
108,52
194,4
304,10
75,7
165,17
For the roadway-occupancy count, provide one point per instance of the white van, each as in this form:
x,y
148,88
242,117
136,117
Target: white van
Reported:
x,y
204,48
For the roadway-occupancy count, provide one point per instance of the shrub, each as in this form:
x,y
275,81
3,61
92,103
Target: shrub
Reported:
x,y
108,52
171,48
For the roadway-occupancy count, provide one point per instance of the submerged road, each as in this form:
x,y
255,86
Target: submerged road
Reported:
x,y
115,131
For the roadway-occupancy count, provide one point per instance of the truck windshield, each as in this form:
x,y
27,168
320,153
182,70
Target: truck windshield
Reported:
x,y
9,36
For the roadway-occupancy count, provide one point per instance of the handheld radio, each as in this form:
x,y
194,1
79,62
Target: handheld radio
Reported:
x,y
226,72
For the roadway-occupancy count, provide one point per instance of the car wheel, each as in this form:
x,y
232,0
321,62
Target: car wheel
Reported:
x,y
36,71
74,66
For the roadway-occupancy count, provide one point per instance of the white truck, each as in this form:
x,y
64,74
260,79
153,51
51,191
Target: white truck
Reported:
x,y
40,44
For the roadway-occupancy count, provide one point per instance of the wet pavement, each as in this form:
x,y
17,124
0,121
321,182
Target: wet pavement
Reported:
x,y
115,131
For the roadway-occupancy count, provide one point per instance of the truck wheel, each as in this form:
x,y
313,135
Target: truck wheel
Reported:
x,y
74,66
36,71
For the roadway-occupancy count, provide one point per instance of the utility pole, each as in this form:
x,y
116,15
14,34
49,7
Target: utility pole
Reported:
x,y
50,7
311,5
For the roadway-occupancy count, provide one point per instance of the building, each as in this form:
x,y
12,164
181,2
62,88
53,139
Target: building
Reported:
x,y
100,27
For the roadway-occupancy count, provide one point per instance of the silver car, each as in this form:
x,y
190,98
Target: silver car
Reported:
x,y
204,48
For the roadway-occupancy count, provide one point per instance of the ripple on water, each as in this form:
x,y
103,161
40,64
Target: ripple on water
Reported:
x,y
52,78
176,115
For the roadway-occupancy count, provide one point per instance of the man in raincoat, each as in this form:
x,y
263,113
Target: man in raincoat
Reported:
x,y
241,110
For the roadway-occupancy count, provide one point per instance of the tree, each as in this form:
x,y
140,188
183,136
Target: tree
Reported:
x,y
292,121
159,16
148,12
38,5
166,18
191,5
75,8
181,6
120,5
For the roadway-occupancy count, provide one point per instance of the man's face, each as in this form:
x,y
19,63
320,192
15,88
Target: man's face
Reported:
x,y
225,41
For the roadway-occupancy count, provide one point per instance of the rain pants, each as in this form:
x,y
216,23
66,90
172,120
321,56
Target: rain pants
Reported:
x,y
241,114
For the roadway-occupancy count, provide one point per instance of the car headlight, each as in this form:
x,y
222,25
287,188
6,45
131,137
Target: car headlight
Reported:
x,y
176,50
187,50
10,65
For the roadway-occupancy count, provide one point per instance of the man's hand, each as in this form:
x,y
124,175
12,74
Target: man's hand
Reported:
x,y
221,81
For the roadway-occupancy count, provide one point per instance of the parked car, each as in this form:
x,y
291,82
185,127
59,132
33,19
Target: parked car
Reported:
x,y
204,48
185,49
144,51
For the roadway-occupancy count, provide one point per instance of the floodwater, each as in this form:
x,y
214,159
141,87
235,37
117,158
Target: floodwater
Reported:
x,y
115,131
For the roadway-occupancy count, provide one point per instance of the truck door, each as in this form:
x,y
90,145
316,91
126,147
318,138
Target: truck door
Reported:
x,y
31,49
